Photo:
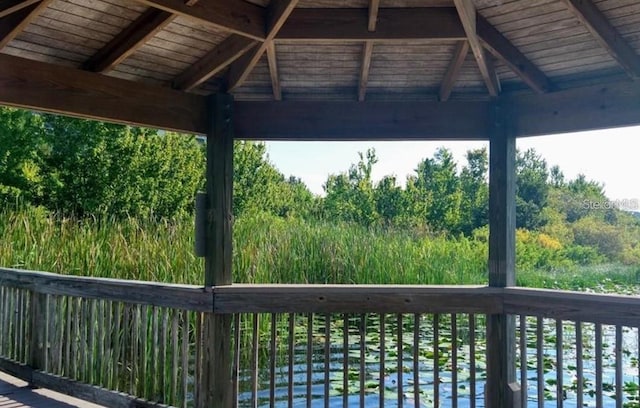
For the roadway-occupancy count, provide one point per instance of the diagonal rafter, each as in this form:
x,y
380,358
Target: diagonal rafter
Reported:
x,y
450,78
277,14
367,52
502,48
129,40
238,17
11,6
13,24
225,53
468,16
273,71
606,34
374,6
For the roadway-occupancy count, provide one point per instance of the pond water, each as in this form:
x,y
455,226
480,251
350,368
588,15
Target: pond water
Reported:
x,y
370,335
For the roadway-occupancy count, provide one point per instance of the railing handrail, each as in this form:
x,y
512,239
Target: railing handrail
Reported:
x,y
188,297
573,306
302,298
357,299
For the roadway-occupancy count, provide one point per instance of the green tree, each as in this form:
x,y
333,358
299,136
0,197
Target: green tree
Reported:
x,y
21,173
474,205
350,196
435,192
532,189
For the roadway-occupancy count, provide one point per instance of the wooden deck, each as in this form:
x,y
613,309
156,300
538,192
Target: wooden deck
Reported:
x,y
15,393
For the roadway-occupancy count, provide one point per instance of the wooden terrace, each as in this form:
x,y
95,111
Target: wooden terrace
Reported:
x,y
489,70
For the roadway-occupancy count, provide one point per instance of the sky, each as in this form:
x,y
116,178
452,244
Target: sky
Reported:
x,y
610,157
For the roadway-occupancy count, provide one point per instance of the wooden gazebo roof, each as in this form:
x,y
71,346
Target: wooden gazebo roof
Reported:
x,y
337,69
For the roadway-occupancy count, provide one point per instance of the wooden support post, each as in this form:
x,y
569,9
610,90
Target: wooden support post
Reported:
x,y
215,386
502,227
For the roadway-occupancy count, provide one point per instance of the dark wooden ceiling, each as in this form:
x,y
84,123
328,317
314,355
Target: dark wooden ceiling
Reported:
x,y
326,50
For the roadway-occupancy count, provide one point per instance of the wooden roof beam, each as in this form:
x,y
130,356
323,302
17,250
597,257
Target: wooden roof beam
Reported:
x,y
11,6
225,53
52,88
450,78
393,24
502,48
276,15
374,5
596,22
367,52
13,24
129,40
468,16
238,17
273,71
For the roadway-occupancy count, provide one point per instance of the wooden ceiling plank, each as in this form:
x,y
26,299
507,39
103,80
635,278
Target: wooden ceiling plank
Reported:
x,y
129,40
238,17
607,35
367,52
468,17
498,45
393,24
11,6
13,24
51,88
225,53
450,78
374,5
273,71
276,15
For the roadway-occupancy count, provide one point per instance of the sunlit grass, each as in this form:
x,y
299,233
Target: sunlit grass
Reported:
x,y
269,250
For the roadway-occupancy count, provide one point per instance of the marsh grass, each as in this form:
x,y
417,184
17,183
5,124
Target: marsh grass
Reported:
x,y
269,249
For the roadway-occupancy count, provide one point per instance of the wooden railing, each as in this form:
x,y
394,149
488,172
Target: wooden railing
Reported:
x,y
124,343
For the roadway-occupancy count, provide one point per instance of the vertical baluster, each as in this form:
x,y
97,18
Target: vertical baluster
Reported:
x,y
135,330
345,362
579,366
119,343
309,358
3,313
559,365
101,360
400,362
362,373
540,360
292,317
454,360
93,340
619,367
638,362
154,352
598,356
236,359
472,360
523,360
383,345
142,378
327,358
67,337
75,341
15,317
272,362
109,340
175,353
254,360
416,360
436,360
85,328
186,347
165,394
